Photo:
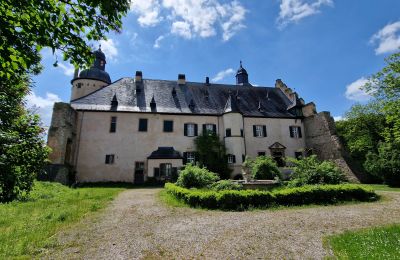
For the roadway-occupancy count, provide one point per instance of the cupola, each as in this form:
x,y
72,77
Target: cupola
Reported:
x,y
242,78
97,71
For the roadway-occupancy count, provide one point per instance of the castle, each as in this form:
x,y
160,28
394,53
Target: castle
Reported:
x,y
134,128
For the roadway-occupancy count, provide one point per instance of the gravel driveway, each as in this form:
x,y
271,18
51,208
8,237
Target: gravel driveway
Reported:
x,y
138,226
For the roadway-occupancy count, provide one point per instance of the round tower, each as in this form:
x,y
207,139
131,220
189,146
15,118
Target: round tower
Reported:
x,y
91,79
242,78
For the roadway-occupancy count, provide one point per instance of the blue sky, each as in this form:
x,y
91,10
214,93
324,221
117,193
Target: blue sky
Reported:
x,y
324,49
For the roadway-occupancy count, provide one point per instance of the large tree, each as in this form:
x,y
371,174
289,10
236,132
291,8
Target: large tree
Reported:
x,y
26,27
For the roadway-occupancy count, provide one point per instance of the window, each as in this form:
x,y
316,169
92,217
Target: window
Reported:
x,y
190,157
142,124
109,159
261,154
168,126
228,132
295,131
210,128
165,170
79,85
231,158
113,125
190,130
298,155
259,131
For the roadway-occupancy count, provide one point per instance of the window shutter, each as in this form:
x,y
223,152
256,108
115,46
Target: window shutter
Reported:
x,y
254,131
234,158
196,156
204,128
185,129
299,130
265,130
291,131
215,128
107,159
156,172
184,158
195,129
174,173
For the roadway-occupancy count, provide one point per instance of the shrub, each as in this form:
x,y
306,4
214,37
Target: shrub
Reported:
x,y
225,185
310,170
263,168
243,199
195,177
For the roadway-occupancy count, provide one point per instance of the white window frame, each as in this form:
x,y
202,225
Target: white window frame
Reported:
x,y
210,127
295,131
259,131
190,129
190,157
230,158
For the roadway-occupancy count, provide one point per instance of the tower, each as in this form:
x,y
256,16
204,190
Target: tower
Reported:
x,y
91,79
242,78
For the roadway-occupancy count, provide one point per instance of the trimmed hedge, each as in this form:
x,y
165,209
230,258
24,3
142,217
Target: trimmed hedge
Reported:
x,y
243,199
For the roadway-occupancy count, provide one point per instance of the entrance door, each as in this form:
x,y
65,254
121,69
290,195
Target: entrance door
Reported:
x,y
139,173
278,157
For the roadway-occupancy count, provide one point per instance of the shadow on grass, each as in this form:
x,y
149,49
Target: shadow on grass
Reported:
x,y
124,185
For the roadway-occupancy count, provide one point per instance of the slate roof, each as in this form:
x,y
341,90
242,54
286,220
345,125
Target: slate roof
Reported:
x,y
165,153
190,98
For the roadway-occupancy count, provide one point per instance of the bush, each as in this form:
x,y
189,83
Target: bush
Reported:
x,y
385,163
309,170
244,199
263,168
225,185
195,177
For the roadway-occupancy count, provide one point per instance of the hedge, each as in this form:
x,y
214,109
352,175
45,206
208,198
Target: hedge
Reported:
x,y
243,199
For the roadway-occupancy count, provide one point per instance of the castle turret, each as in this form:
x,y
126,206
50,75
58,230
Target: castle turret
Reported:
x,y
91,79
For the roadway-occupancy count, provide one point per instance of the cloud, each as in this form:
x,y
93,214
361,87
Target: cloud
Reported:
x,y
338,118
68,69
148,12
158,41
109,48
42,105
223,74
354,91
388,39
190,19
292,11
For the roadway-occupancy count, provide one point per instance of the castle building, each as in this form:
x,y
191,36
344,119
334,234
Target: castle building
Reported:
x,y
135,128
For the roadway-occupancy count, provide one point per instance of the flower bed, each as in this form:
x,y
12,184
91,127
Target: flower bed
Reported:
x,y
243,199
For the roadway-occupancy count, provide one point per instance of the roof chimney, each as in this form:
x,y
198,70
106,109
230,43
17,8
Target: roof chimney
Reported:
x,y
207,81
181,79
138,76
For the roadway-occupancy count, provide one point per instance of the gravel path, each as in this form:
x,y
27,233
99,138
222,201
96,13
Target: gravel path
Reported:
x,y
138,226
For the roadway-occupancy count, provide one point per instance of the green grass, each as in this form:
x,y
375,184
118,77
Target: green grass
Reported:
x,y
171,200
382,187
28,227
372,243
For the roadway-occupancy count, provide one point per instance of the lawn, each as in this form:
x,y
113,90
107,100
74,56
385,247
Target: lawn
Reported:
x,y
372,243
28,227
382,187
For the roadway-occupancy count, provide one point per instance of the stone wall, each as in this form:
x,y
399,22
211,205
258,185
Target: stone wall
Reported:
x,y
321,137
62,141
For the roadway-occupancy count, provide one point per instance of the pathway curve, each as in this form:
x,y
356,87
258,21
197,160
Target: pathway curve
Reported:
x,y
138,226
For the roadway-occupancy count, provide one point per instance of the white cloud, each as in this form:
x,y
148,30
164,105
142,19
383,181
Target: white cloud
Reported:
x,y
223,74
109,48
338,118
158,41
292,11
68,69
42,105
193,18
148,12
388,38
354,91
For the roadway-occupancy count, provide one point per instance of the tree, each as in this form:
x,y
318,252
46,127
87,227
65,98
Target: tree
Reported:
x,y
25,28
263,168
212,154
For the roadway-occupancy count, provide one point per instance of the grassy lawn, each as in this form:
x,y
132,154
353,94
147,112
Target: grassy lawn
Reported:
x,y
382,187
26,228
373,243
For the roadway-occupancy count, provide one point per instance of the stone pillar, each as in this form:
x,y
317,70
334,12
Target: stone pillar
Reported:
x,y
321,137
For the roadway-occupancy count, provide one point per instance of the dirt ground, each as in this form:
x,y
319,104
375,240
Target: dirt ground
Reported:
x,y
138,226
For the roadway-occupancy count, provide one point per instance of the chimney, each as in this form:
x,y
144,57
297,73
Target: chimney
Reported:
x,y
181,79
138,76
207,81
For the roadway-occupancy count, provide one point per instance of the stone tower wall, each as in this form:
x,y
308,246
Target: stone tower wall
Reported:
x,y
321,137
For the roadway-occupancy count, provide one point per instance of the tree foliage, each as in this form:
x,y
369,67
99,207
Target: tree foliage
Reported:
x,y
25,28
212,154
263,168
